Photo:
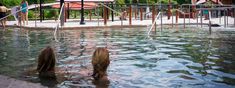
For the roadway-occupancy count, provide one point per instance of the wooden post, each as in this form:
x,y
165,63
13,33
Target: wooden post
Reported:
x,y
108,11
201,18
196,14
68,11
153,13
102,11
105,16
169,9
153,16
90,14
177,14
112,14
40,7
130,15
172,19
136,9
43,15
228,11
225,18
234,15
184,20
75,15
65,12
141,13
194,11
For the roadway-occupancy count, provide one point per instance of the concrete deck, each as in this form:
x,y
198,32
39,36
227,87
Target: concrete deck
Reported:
x,y
94,23
6,82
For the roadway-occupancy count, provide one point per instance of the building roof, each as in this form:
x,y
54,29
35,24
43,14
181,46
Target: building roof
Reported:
x,y
77,5
88,0
204,1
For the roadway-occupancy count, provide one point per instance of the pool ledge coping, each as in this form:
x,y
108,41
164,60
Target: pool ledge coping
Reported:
x,y
94,27
7,82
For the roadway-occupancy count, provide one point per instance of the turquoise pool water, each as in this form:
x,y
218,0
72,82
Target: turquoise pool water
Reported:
x,y
188,58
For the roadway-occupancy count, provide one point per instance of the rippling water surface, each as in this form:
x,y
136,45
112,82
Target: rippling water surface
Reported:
x,y
188,58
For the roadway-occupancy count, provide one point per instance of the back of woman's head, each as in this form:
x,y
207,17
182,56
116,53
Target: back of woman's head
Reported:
x,y
1,4
100,62
46,60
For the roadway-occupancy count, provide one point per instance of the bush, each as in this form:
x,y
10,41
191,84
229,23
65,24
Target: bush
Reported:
x,y
30,14
51,14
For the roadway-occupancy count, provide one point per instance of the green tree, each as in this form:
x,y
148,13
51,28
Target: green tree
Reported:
x,y
120,1
10,3
184,1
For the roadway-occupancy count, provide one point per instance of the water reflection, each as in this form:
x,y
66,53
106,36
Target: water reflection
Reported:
x,y
168,59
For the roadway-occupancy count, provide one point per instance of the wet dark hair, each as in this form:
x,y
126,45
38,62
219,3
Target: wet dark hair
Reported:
x,y
46,60
1,4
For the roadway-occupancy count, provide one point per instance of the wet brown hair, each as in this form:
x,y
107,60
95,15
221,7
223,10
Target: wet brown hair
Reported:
x,y
100,62
46,60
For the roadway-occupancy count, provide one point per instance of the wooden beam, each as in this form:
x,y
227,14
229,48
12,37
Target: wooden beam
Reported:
x,y
141,13
136,9
90,13
153,13
130,15
169,9
105,15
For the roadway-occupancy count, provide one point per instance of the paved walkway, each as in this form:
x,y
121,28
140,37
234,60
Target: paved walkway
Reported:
x,y
74,23
6,82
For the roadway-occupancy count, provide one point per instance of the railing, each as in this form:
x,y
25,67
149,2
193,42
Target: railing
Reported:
x,y
153,23
210,22
113,11
58,22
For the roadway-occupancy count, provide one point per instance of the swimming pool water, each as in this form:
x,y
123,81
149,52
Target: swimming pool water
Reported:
x,y
188,58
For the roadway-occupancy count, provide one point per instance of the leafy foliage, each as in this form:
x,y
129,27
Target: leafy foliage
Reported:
x,y
183,1
11,3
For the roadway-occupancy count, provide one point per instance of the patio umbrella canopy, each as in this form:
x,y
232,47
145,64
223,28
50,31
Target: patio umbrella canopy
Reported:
x,y
77,5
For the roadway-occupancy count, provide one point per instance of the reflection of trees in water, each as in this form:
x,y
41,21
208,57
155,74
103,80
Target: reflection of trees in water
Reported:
x,y
199,55
218,51
15,48
226,52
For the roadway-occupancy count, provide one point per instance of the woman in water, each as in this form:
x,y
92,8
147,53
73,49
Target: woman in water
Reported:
x,y
100,63
46,63
24,7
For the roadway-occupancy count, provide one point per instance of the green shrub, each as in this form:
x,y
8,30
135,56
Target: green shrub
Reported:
x,y
30,14
51,14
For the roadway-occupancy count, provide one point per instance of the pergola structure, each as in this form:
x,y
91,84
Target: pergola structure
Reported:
x,y
79,4
82,5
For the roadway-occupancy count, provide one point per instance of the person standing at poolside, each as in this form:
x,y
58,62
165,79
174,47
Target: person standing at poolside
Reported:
x,y
19,16
24,7
3,11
